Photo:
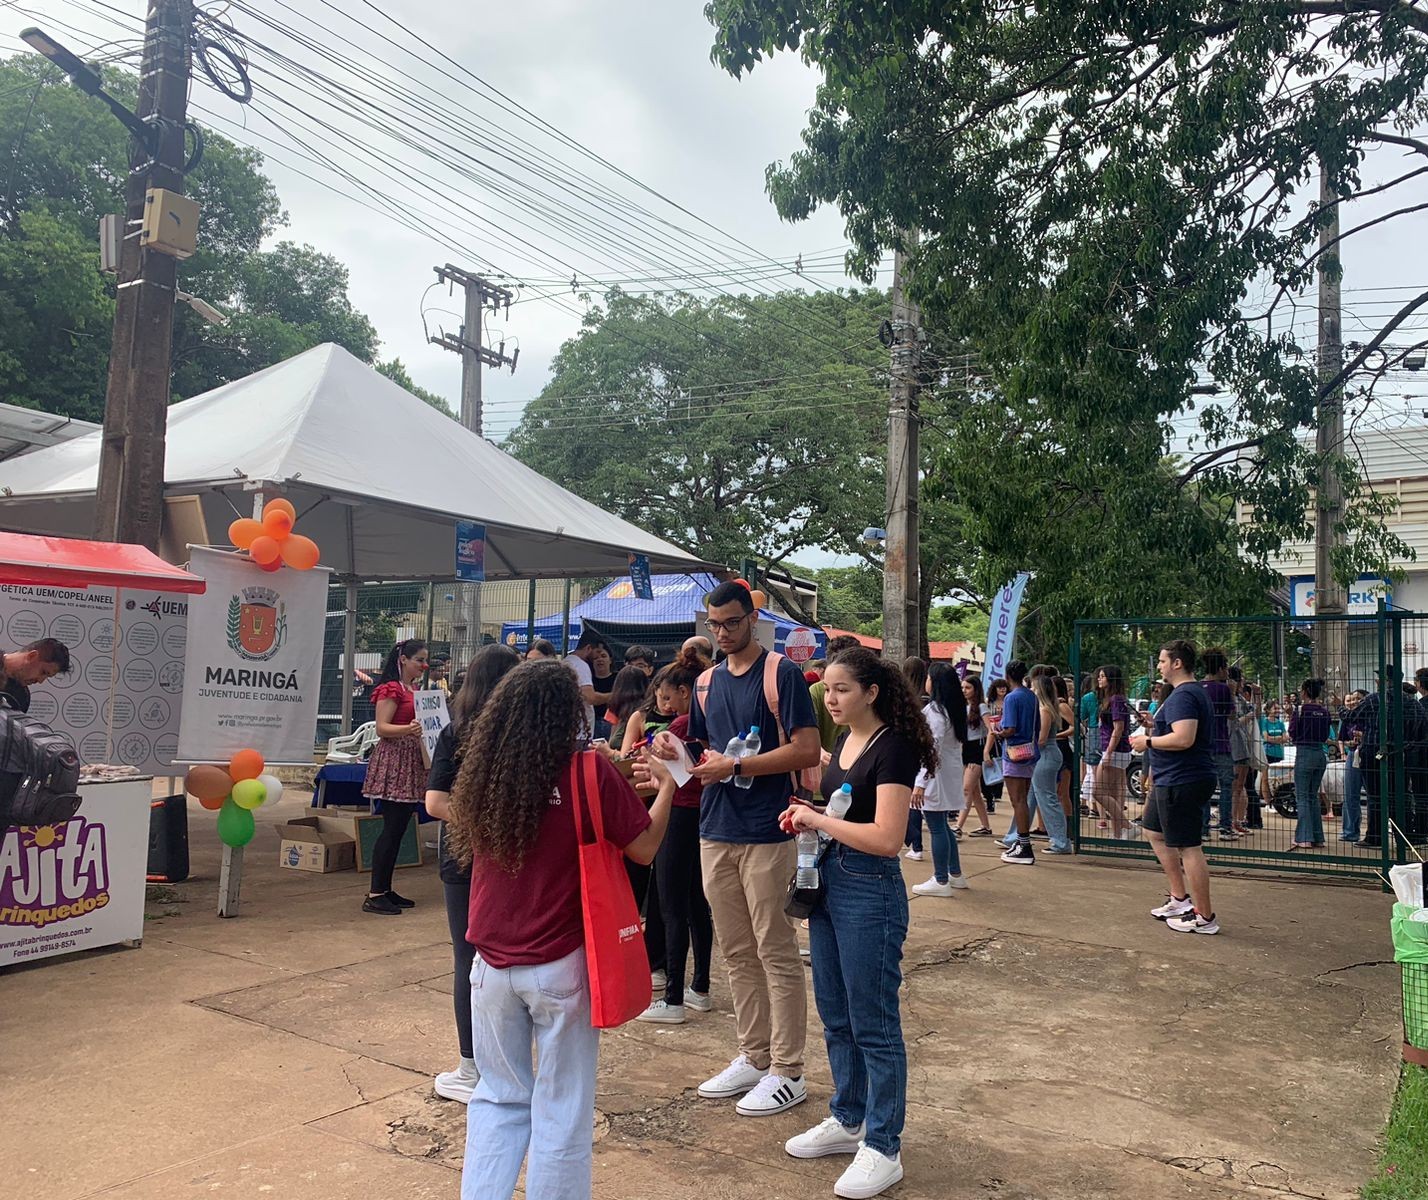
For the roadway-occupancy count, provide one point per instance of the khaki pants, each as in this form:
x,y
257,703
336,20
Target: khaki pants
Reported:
x,y
746,887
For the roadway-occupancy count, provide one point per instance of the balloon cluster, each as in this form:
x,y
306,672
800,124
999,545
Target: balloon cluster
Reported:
x,y
760,600
234,792
271,542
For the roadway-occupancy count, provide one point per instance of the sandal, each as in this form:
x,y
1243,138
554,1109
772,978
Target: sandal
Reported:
x,y
1301,846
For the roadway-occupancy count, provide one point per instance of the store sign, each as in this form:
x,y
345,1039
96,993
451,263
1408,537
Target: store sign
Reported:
x,y
80,883
1363,596
254,661
119,703
470,551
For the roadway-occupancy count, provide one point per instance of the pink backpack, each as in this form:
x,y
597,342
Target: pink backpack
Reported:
x,y
810,779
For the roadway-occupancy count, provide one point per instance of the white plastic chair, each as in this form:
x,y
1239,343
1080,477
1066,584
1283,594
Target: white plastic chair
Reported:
x,y
355,746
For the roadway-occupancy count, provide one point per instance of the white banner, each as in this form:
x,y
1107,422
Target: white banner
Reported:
x,y
254,660
143,669
1001,635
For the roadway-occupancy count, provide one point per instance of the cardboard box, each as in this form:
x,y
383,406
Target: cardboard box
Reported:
x,y
314,844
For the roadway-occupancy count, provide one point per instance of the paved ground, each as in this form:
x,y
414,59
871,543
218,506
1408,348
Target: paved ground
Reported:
x,y
1063,1047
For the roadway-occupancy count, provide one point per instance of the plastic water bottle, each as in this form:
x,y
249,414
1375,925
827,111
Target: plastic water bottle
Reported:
x,y
807,874
841,802
735,749
752,744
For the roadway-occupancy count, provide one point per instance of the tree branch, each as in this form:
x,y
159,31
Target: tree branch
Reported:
x,y
1205,461
1358,360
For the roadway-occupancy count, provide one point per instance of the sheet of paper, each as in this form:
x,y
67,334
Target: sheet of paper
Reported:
x,y
679,767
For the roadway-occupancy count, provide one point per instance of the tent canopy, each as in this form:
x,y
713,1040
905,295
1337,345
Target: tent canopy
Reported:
x,y
665,621
378,477
64,562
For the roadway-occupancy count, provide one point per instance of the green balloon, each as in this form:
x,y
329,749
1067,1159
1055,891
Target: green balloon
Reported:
x,y
249,793
235,825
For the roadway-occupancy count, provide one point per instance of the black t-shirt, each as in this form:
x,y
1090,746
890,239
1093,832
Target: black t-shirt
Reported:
x,y
445,762
887,759
15,692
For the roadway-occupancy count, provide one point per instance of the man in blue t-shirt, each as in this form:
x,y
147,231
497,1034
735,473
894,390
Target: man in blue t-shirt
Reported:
x,y
746,859
1182,764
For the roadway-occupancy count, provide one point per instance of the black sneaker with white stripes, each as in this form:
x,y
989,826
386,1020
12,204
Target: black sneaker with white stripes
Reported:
x,y
1020,855
773,1094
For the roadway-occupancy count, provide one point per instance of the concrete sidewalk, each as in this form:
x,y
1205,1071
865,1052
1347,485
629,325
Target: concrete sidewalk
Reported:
x,y
1063,1046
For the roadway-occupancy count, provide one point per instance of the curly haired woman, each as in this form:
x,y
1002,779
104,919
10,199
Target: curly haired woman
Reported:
x,y
859,924
512,819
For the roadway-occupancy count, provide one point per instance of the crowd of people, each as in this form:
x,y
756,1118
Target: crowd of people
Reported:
x,y
713,839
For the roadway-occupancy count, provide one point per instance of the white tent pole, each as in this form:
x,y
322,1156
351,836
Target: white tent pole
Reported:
x,y
349,628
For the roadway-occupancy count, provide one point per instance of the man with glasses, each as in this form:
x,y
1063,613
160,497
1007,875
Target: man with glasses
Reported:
x,y
747,860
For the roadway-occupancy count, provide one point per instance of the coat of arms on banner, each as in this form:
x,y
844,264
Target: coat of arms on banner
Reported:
x,y
257,623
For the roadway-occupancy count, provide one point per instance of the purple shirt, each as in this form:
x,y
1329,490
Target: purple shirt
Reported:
x,y
1310,725
1119,711
1223,704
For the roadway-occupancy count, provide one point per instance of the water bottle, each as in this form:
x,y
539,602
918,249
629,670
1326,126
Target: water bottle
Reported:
x,y
841,802
752,744
807,873
735,749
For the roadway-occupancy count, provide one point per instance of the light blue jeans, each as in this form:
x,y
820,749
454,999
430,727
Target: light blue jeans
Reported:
x,y
1309,765
1353,787
1043,788
515,1108
946,861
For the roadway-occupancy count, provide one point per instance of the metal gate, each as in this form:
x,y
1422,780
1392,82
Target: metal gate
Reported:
x,y
1373,799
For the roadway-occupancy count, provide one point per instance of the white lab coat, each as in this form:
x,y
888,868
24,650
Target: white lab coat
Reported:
x,y
942,792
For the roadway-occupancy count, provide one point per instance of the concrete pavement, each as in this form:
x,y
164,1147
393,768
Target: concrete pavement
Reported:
x,y
1063,1046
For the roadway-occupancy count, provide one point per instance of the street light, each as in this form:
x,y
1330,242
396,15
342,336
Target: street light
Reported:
x,y
87,79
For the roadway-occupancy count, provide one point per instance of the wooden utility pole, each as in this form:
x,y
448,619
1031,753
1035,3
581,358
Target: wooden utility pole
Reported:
x,y
480,296
1331,641
900,562
130,502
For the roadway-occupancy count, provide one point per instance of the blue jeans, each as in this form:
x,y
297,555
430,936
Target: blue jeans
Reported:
x,y
946,862
1353,786
1225,773
914,830
856,935
1310,763
1043,790
550,1110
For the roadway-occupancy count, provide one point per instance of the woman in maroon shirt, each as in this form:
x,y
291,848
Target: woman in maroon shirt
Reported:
x,y
512,819
396,774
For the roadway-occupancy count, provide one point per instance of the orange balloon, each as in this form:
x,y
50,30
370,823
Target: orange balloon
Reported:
x,y
264,550
275,565
300,553
277,523
246,764
278,504
758,597
207,782
213,805
242,532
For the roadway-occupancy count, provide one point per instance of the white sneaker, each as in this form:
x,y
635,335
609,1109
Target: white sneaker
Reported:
x,y
827,1137
660,1013
658,980
698,1001
915,855
734,1080
458,1084
773,1094
869,1174
1193,922
932,888
959,882
1173,908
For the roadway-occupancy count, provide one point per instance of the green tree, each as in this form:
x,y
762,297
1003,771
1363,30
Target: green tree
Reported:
x,y
1100,189
396,371
66,166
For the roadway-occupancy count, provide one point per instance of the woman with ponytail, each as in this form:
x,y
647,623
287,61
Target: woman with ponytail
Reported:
x,y
396,773
859,923
940,796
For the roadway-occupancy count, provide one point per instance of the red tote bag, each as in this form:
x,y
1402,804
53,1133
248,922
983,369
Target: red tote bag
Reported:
x,y
614,941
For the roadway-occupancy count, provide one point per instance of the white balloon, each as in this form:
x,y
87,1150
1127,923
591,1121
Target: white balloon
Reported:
x,y
273,786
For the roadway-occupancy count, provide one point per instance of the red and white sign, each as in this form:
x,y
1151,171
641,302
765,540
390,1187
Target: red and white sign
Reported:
x,y
800,645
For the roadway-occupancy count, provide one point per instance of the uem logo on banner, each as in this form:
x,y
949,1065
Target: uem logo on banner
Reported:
x,y
1001,635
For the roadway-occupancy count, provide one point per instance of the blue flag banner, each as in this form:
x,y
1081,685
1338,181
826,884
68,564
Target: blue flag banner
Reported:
x,y
640,576
1001,636
470,551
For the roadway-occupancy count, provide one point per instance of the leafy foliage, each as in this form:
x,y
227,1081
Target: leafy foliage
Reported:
x,y
396,371
1099,188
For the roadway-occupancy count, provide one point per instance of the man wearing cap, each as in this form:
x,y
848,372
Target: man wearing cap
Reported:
x,y
20,670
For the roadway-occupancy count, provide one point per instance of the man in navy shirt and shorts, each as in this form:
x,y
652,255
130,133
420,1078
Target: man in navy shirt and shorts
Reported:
x,y
1183,768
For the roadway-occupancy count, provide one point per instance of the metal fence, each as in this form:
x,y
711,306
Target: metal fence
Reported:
x,y
1372,800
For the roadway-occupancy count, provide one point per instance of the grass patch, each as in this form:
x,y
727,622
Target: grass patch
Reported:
x,y
1403,1167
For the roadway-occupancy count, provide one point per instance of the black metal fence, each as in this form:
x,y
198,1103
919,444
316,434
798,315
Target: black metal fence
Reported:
x,y
1353,808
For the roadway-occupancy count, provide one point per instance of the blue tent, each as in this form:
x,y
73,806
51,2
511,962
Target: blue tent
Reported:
x,y
664,621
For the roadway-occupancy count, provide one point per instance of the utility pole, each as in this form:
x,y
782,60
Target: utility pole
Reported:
x,y
480,296
901,602
130,502
1331,641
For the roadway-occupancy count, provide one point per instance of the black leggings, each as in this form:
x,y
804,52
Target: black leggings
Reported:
x,y
642,883
395,819
463,954
686,911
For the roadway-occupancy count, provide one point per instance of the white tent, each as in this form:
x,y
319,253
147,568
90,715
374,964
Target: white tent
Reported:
x,y
378,478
